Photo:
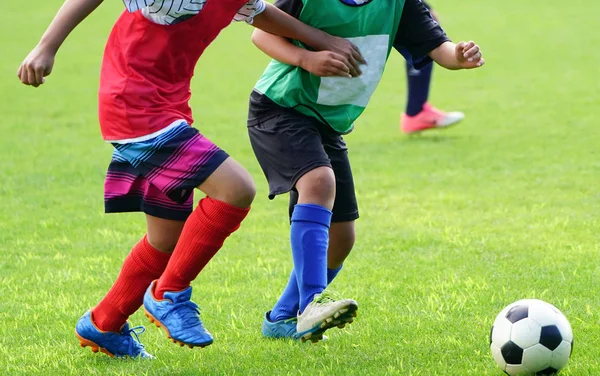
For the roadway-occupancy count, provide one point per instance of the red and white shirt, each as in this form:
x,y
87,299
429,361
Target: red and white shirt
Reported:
x,y
150,58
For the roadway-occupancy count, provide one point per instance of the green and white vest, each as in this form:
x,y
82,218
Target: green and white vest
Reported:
x,y
337,101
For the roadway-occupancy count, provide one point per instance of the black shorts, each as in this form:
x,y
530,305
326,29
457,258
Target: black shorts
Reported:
x,y
289,144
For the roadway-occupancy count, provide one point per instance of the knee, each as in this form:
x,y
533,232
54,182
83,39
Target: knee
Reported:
x,y
317,187
240,192
246,192
231,184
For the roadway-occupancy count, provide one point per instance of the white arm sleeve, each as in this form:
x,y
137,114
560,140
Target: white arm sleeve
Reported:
x,y
135,5
250,10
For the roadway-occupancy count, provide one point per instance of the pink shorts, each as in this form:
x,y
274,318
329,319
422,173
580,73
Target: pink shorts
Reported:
x,y
158,176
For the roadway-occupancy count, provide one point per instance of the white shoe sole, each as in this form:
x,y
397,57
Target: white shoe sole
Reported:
x,y
339,319
451,119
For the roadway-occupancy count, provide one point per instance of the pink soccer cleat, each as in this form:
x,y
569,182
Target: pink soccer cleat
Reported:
x,y
429,118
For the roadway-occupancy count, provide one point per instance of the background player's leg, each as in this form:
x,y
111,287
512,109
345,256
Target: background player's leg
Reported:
x,y
420,115
418,82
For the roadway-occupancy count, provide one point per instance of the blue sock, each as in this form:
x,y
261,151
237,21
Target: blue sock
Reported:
x,y
418,88
289,303
309,237
332,273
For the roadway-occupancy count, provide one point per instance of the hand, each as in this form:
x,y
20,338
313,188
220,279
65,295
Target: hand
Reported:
x,y
37,65
469,55
325,64
349,53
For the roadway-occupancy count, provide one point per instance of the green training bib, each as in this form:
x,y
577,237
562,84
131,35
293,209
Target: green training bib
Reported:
x,y
337,101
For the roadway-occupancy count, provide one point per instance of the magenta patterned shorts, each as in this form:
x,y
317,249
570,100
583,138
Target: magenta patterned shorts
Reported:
x,y
158,176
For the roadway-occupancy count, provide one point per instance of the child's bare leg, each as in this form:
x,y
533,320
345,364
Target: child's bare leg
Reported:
x,y
341,240
163,234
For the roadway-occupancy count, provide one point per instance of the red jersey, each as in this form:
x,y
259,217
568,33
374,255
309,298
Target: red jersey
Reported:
x,y
147,69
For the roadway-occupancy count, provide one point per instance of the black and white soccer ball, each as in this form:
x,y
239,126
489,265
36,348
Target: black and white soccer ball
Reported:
x,y
531,337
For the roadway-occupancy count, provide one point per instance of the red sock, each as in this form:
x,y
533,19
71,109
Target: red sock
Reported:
x,y
142,266
203,235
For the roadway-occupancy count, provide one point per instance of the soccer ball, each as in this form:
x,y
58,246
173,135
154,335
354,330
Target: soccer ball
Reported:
x,y
531,337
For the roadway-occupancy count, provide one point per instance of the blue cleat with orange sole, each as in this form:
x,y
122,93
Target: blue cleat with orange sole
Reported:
x,y
125,344
178,316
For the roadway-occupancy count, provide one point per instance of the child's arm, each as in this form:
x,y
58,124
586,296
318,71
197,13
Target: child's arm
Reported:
x,y
421,39
40,60
458,56
322,63
275,21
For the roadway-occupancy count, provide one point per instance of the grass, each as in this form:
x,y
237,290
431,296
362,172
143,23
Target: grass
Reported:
x,y
454,226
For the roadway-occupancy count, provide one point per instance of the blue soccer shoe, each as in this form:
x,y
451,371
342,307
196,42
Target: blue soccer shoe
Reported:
x,y
178,316
125,344
279,329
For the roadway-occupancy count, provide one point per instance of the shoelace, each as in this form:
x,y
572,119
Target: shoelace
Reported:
x,y
188,311
133,340
327,297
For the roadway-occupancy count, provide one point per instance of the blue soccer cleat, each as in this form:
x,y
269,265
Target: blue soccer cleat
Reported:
x,y
125,344
178,316
279,329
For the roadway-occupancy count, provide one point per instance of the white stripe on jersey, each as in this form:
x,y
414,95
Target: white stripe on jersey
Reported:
x,y
250,10
150,136
133,5
167,12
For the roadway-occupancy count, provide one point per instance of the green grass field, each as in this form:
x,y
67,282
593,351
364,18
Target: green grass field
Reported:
x,y
454,226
